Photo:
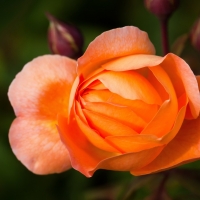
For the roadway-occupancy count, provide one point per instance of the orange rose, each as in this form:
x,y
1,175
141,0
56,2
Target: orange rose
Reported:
x,y
119,107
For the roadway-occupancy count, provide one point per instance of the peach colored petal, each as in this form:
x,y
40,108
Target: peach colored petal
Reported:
x,y
158,86
130,85
140,142
128,161
170,63
43,86
97,95
97,85
177,125
163,121
89,133
134,143
112,44
122,114
173,62
72,94
84,155
184,148
78,111
132,62
107,126
143,110
36,143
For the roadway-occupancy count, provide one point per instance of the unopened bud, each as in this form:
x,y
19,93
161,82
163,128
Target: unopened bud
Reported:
x,y
195,34
64,39
161,8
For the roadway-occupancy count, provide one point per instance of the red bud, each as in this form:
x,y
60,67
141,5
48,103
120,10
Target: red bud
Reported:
x,y
161,8
64,39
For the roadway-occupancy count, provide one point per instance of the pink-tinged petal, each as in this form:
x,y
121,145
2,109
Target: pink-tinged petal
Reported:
x,y
84,155
112,44
171,63
185,147
43,86
36,143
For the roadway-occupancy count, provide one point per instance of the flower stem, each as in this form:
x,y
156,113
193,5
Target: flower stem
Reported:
x,y
161,187
164,35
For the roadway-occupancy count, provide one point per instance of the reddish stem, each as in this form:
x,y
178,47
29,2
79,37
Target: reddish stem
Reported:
x,y
164,35
161,187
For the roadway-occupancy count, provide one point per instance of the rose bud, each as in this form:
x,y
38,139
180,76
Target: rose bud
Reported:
x,y
118,107
161,8
64,39
195,34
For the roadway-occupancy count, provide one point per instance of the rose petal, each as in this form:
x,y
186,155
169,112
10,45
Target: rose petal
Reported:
x,y
43,86
89,133
130,85
36,143
107,126
122,114
158,86
134,143
87,159
182,149
97,96
174,63
112,44
84,155
129,161
162,123
143,110
171,63
38,93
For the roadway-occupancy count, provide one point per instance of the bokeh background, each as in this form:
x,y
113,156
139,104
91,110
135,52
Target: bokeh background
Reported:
x,y
23,36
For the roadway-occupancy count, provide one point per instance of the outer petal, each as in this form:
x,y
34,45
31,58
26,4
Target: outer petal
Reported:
x,y
129,161
86,158
170,63
182,149
112,44
37,144
163,121
38,93
84,155
43,86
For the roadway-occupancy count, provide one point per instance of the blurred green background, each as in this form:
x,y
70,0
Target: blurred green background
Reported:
x,y
23,36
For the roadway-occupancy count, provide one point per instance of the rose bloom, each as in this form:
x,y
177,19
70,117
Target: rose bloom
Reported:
x,y
118,107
